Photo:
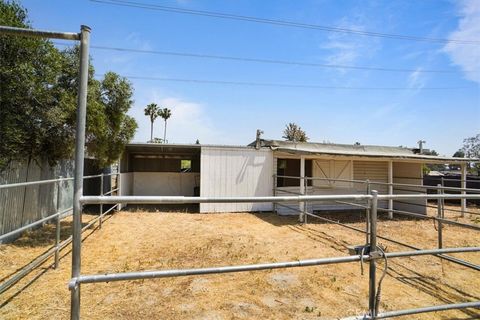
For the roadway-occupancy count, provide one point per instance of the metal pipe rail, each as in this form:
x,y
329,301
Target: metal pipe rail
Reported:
x,y
441,256
125,276
430,206
382,183
213,270
41,259
443,220
324,179
39,182
111,191
34,224
465,305
422,186
405,312
39,33
184,200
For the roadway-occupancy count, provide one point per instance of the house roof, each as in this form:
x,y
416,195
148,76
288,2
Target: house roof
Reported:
x,y
313,148
309,148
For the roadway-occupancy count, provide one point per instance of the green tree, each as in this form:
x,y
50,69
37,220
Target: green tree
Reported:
x,y
458,154
471,148
293,132
29,113
151,111
435,167
165,113
38,85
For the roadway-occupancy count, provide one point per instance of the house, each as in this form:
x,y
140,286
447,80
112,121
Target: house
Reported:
x,y
273,167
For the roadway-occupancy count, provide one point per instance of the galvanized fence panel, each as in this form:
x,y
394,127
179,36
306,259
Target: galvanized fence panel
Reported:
x,y
20,206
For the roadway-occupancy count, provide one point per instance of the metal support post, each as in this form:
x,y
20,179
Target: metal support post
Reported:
x,y
79,159
390,189
302,189
119,206
373,253
274,204
440,215
101,204
57,226
463,185
369,203
305,207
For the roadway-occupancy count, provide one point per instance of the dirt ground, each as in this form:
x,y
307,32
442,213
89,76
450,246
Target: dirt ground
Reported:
x,y
131,241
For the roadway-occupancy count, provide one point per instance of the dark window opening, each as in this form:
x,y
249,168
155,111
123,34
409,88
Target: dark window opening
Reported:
x,y
291,167
163,163
185,165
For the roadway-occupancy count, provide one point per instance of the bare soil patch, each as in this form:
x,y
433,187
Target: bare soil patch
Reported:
x,y
131,241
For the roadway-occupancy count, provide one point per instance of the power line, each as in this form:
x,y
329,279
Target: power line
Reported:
x,y
285,23
262,60
268,61
281,85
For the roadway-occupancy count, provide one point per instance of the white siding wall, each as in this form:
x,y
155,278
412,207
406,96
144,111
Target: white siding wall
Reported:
x,y
375,171
408,173
235,172
164,183
126,184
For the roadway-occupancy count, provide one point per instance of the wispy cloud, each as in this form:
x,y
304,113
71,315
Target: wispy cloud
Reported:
x,y
123,59
467,57
347,49
416,79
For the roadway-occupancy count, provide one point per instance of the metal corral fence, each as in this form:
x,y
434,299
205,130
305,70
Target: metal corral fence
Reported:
x,y
61,213
25,204
307,183
472,182
369,252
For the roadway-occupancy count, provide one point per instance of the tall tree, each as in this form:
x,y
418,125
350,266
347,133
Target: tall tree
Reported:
x,y
38,85
458,154
471,147
293,132
165,113
151,111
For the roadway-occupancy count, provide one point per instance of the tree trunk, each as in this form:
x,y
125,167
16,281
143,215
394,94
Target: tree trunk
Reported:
x,y
165,133
151,131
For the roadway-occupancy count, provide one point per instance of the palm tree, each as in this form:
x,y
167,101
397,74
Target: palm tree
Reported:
x,y
165,113
153,112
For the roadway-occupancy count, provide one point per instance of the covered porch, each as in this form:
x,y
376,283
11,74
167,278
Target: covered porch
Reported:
x,y
308,173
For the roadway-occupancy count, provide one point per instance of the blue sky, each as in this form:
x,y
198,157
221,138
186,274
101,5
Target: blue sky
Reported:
x,y
229,114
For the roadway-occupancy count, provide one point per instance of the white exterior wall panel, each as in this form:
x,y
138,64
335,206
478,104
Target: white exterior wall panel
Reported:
x,y
164,183
230,171
409,173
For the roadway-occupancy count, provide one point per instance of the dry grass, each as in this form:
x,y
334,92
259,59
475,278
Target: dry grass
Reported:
x,y
140,241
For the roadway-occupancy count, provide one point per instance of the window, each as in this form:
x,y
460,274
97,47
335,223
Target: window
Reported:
x,y
291,167
185,165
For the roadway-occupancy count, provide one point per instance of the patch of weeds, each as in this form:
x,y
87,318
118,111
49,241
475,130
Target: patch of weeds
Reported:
x,y
309,309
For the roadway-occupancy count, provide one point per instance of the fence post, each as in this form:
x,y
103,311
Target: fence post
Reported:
x,y
305,204
78,181
463,185
101,204
390,189
302,189
117,185
57,226
373,253
274,204
369,202
440,215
